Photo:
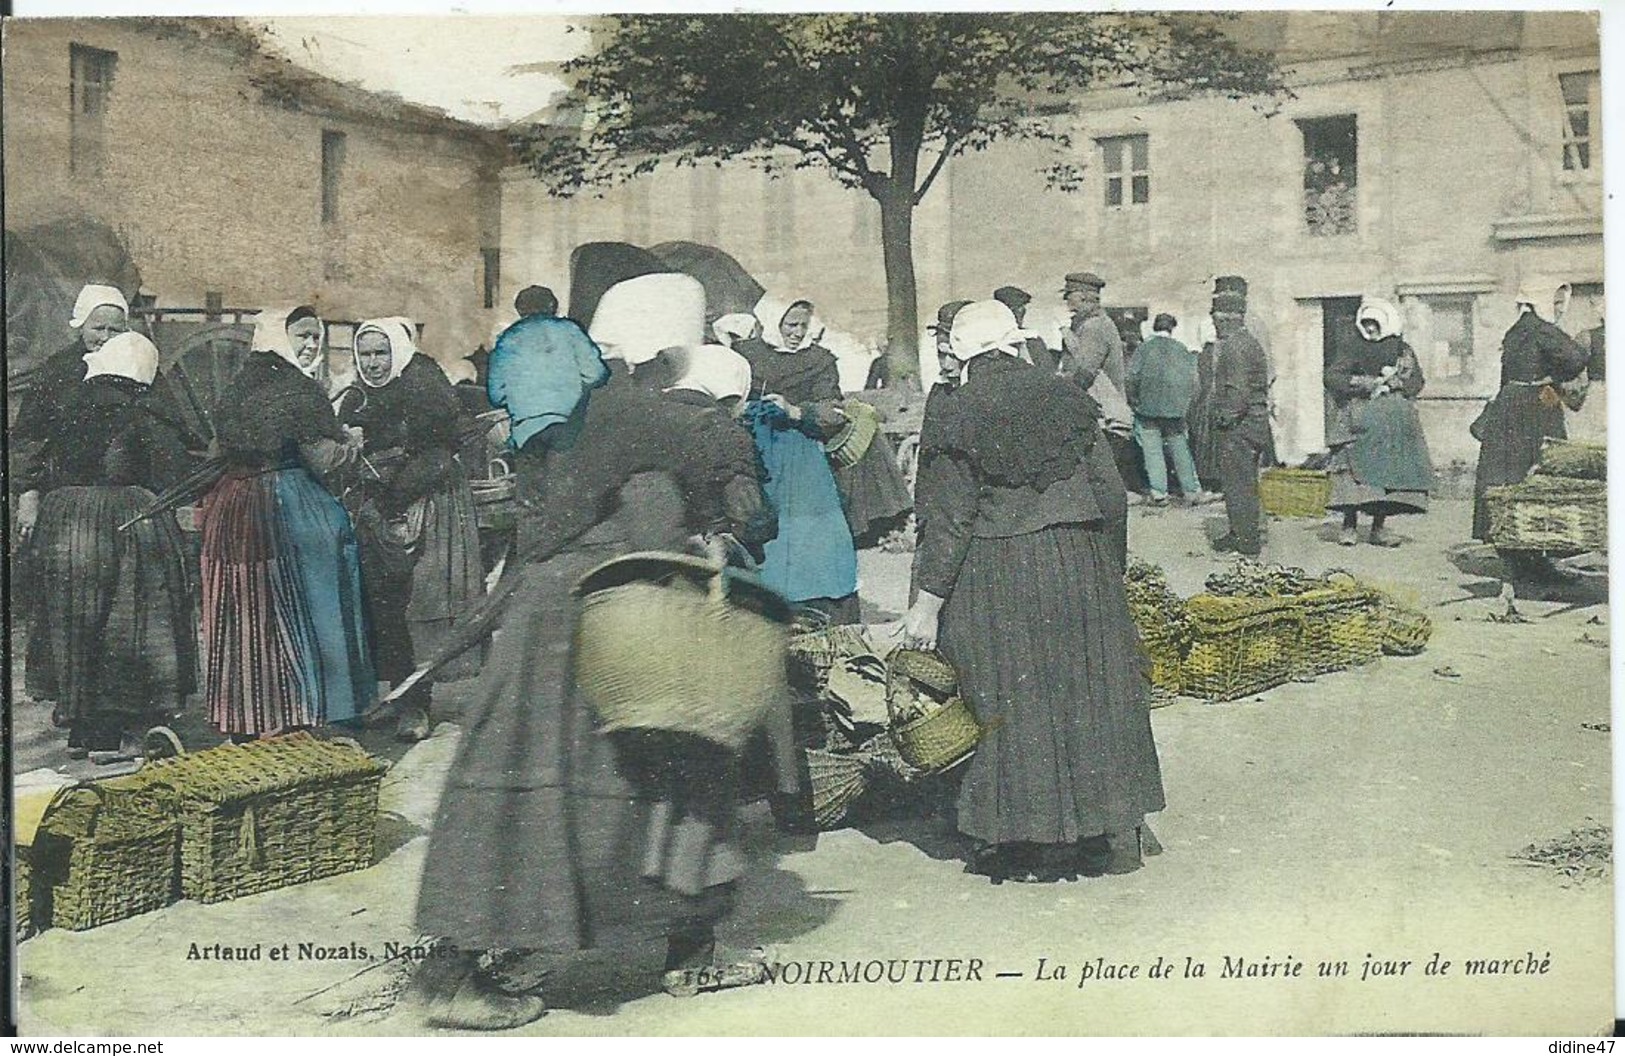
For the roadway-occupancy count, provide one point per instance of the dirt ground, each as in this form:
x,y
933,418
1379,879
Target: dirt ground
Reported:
x,y
1369,817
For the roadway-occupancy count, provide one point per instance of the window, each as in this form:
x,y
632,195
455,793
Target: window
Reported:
x,y
90,85
332,173
1450,337
1128,169
1330,174
1579,106
492,259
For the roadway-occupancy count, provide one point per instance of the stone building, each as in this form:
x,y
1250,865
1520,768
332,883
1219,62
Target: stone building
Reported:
x,y
1441,159
235,179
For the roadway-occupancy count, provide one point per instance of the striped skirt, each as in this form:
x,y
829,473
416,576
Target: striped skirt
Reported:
x,y
283,637
1038,628
111,636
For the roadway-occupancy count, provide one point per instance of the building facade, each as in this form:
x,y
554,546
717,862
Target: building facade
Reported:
x,y
1440,160
236,180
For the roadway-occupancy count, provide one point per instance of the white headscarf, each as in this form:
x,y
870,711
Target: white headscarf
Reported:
x,y
982,327
714,370
638,319
735,326
770,312
1374,309
402,345
127,355
93,297
271,335
459,371
1542,306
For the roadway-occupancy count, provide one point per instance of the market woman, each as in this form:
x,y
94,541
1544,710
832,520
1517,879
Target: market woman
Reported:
x,y
812,561
1020,584
420,556
111,628
1536,357
552,838
283,632
1380,464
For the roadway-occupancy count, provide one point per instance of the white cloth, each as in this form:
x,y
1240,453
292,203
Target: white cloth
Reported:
x,y
459,371
1376,310
401,333
770,312
734,327
985,326
271,335
127,355
93,297
640,318
718,372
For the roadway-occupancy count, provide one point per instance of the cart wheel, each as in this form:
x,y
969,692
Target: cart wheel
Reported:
x,y
160,742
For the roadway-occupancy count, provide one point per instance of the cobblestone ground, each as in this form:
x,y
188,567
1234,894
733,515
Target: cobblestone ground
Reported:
x,y
1370,818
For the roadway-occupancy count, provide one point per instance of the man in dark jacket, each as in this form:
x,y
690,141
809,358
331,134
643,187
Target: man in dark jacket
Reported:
x,y
1161,383
1241,423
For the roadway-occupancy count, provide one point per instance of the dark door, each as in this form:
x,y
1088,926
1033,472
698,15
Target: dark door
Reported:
x,y
1336,327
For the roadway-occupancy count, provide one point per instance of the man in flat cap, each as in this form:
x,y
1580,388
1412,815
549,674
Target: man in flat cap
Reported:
x,y
1038,353
1092,352
1240,421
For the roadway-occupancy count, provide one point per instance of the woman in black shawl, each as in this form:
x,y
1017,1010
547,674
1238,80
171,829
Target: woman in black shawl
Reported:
x,y
1536,357
1018,573
420,556
553,838
283,629
111,638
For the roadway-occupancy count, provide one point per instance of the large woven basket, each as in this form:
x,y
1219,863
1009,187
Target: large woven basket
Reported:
x,y
851,442
1571,458
106,850
1159,616
1549,513
1294,492
270,813
1405,630
933,726
1343,627
837,782
1241,646
672,642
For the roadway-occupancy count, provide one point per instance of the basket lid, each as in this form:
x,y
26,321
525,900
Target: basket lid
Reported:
x,y
273,764
660,566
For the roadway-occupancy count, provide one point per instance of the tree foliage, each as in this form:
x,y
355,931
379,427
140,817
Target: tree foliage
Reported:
x,y
880,101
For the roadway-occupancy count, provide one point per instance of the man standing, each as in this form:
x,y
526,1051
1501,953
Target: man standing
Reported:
x,y
1038,353
1161,386
1240,420
1092,352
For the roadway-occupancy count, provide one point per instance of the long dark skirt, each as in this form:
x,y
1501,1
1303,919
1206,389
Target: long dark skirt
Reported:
x,y
1509,432
448,577
1203,438
874,492
282,613
1038,628
548,837
111,634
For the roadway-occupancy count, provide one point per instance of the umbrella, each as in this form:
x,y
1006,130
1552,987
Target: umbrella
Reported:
x,y
728,286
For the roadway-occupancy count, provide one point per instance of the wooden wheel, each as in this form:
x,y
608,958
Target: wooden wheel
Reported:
x,y
198,366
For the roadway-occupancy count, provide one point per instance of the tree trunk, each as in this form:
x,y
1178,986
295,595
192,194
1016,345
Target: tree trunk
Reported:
x,y
902,298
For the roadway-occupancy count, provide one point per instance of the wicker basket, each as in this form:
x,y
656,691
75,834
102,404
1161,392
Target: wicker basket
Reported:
x,y
1406,631
271,813
1241,646
851,442
1294,492
837,782
106,851
1549,513
1571,458
1343,627
646,619
933,727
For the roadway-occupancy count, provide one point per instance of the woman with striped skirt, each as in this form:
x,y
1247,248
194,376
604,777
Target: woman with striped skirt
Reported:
x,y
1017,571
111,625
282,610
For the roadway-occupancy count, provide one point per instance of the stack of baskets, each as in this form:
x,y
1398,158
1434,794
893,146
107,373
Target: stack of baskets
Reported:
x,y
1562,506
1241,646
1164,625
